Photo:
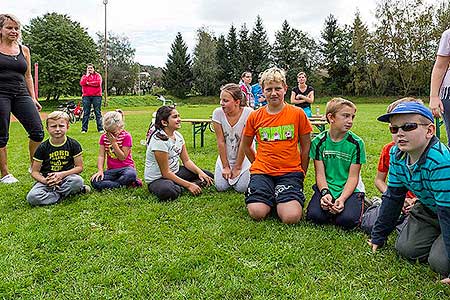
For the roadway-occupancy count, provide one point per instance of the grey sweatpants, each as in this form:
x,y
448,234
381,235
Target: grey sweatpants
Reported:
x,y
421,239
42,194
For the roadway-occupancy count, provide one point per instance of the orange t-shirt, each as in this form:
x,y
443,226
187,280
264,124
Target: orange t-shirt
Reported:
x,y
277,136
383,163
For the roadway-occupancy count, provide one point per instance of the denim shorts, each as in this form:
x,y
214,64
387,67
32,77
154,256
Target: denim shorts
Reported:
x,y
272,190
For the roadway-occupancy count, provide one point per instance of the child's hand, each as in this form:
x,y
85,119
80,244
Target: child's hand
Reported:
x,y
54,178
235,172
337,207
194,189
408,204
206,179
226,173
326,202
111,137
446,280
97,176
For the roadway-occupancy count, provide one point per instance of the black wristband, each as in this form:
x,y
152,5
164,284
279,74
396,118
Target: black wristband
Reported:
x,y
324,191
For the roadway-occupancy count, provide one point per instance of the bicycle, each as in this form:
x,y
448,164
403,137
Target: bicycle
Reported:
x,y
68,108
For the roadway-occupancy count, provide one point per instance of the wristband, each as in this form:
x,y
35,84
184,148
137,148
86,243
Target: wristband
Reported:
x,y
324,191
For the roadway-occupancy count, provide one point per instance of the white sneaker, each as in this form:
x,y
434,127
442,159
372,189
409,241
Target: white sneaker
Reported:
x,y
9,179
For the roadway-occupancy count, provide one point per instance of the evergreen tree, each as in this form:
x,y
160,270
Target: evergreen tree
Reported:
x,y
223,64
259,54
177,74
335,49
295,51
233,55
359,69
283,48
244,46
205,68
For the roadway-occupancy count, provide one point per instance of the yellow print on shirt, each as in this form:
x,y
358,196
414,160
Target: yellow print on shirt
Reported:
x,y
58,159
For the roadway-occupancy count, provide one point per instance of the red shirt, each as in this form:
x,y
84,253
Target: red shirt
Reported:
x,y
91,85
383,163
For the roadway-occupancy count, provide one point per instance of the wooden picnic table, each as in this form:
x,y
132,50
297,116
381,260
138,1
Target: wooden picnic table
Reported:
x,y
319,121
199,126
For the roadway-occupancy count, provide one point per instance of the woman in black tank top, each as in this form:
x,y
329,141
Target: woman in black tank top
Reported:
x,y
16,92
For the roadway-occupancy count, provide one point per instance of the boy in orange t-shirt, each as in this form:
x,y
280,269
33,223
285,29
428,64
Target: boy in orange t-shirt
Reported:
x,y
279,166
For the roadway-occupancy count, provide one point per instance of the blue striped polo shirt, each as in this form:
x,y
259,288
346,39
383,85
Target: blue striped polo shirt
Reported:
x,y
428,178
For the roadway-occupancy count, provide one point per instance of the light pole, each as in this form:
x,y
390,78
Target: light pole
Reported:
x,y
105,2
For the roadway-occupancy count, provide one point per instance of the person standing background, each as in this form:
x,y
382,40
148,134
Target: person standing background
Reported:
x,y
440,82
16,92
91,86
303,94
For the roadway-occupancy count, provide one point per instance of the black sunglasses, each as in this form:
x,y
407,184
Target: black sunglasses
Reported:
x,y
406,127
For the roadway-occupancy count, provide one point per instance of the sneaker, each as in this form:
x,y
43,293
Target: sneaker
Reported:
x,y
9,179
101,132
85,189
83,131
137,183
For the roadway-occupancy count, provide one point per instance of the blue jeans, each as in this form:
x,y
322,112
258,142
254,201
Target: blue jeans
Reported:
x,y
115,178
89,101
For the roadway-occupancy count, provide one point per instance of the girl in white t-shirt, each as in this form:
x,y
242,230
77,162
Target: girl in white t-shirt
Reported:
x,y
232,167
163,173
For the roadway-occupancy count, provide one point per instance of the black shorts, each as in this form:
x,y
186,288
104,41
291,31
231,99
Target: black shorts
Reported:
x,y
272,190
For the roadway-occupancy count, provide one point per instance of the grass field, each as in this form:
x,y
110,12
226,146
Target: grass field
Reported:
x,y
125,244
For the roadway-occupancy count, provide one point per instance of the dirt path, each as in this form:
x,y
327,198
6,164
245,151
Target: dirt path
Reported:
x,y
126,112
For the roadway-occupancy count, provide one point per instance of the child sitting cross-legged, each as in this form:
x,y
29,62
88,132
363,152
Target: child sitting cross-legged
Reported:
x,y
338,154
163,173
115,148
57,164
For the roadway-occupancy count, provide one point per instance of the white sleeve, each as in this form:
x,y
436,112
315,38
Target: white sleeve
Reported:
x,y
444,44
216,116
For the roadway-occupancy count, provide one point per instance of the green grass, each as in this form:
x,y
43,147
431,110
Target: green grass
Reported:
x,y
125,244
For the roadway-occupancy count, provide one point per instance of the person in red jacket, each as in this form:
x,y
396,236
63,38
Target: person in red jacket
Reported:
x,y
91,86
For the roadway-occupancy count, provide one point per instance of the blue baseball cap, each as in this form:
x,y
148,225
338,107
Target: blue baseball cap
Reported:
x,y
408,108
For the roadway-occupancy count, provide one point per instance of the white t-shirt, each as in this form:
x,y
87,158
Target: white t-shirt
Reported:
x,y
444,50
172,147
232,135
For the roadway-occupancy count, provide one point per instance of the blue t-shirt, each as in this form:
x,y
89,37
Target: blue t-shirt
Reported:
x,y
428,178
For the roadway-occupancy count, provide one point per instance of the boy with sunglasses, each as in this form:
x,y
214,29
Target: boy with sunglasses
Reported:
x,y
419,163
371,214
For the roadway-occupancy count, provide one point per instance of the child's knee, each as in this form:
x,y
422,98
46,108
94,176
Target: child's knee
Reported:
x,y
347,222
407,250
290,217
258,212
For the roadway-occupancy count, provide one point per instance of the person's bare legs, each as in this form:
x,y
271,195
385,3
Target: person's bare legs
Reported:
x,y
290,212
258,211
32,146
4,161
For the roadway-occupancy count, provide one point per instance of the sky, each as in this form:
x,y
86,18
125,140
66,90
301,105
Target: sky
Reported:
x,y
151,26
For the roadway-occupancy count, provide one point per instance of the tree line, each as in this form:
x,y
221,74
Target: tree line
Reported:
x,y
395,57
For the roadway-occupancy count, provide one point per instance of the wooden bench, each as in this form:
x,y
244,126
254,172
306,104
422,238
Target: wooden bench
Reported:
x,y
199,126
319,121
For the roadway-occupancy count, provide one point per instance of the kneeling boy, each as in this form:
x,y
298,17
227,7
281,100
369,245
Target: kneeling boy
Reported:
x,y
278,167
56,164
419,163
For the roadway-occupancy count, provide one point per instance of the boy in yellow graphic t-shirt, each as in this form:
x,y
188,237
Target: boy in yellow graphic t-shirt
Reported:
x,y
56,164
